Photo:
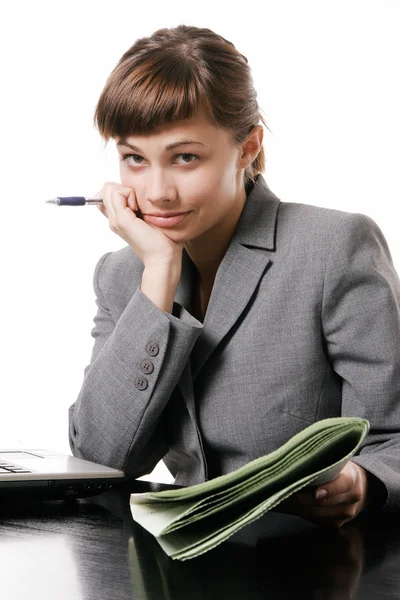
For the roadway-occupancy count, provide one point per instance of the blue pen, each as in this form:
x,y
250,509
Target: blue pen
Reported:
x,y
75,201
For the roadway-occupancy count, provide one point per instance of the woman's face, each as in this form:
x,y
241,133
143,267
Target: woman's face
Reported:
x,y
200,176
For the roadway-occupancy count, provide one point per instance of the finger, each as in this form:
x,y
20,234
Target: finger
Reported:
x,y
296,502
102,209
121,215
340,511
352,496
343,484
132,200
122,219
304,502
105,193
303,498
122,197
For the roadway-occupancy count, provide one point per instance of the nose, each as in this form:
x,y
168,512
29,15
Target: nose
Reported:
x,y
160,188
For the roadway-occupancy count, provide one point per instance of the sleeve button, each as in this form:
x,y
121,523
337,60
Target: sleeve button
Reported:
x,y
152,349
141,383
147,366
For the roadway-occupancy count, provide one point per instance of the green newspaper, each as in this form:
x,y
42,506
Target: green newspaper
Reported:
x,y
190,521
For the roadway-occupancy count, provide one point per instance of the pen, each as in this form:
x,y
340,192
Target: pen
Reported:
x,y
75,201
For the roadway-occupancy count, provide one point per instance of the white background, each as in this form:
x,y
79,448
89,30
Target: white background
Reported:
x,y
327,77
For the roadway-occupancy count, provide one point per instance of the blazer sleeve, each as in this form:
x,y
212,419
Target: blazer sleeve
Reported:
x,y
361,326
116,419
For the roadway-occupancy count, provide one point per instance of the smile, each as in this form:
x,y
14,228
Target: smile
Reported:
x,y
170,221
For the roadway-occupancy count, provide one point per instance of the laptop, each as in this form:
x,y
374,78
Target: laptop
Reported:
x,y
46,475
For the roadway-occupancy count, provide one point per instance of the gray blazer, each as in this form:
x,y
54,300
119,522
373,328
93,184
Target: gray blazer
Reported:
x,y
303,323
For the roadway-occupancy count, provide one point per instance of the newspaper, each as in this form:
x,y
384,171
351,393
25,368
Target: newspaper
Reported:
x,y
190,521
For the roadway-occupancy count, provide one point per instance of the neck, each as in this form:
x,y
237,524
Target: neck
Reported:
x,y
208,251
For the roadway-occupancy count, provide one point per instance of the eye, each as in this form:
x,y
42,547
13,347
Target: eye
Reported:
x,y
189,155
132,159
126,157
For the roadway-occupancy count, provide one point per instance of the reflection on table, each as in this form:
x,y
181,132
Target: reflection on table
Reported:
x,y
94,549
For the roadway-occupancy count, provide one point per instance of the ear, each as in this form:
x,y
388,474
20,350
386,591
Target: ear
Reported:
x,y
251,147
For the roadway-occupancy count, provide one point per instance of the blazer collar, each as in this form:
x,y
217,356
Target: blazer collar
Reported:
x,y
257,224
239,273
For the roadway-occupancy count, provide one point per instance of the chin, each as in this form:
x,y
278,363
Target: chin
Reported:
x,y
176,236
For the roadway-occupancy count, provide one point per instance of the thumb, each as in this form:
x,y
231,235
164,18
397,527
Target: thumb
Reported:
x,y
132,203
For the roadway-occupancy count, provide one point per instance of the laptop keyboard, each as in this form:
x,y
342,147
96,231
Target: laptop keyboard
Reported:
x,y
6,468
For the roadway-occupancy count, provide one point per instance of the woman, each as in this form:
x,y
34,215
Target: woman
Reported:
x,y
231,320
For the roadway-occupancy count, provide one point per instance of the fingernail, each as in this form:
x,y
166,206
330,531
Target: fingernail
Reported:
x,y
321,494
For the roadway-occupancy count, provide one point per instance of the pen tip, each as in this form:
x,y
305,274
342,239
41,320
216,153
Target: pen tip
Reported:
x,y
52,201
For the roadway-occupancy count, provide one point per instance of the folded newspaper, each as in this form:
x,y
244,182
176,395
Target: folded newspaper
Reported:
x,y
190,521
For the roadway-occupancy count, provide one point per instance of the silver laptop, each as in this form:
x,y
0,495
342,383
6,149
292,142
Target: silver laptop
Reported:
x,y
50,476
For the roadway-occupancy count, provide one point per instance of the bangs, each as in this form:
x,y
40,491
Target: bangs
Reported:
x,y
173,75
137,99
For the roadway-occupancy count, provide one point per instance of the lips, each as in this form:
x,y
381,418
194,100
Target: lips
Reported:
x,y
165,219
166,214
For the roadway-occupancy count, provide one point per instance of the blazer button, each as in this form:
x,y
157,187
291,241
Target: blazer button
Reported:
x,y
147,366
141,383
152,349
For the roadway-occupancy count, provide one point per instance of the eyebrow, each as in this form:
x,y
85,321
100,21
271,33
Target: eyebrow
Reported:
x,y
169,147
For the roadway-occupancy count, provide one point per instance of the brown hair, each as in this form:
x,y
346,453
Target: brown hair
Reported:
x,y
168,76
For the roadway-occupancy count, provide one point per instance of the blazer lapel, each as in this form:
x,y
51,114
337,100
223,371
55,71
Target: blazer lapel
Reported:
x,y
246,260
184,292
183,296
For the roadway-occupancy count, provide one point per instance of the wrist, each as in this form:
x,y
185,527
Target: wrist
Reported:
x,y
164,275
159,284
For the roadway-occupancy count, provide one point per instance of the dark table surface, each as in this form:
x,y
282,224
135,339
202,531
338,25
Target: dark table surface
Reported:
x,y
92,549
